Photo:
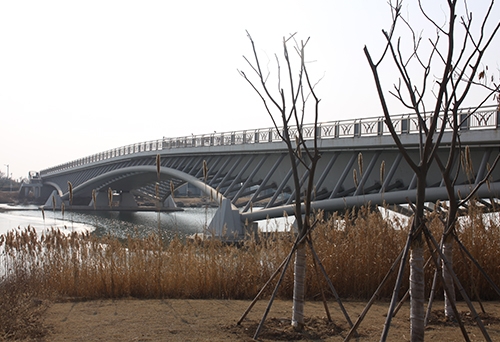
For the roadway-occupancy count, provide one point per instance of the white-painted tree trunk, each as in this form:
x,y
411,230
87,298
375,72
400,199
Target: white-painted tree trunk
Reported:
x,y
417,312
299,287
448,279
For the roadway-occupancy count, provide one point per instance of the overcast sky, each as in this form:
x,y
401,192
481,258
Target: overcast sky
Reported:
x,y
81,77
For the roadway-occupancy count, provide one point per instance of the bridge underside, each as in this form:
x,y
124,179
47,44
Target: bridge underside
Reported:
x,y
256,185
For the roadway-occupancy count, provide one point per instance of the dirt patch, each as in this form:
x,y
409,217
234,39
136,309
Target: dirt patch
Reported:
x,y
437,317
279,329
215,320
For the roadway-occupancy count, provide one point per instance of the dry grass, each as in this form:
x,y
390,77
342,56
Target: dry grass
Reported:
x,y
21,308
356,253
9,197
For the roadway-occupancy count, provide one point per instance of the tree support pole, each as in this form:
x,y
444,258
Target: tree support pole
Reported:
x,y
285,266
469,271
372,299
263,288
474,261
397,286
332,288
438,273
321,289
459,286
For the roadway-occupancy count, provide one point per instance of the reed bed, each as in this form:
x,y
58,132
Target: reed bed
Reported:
x,y
356,254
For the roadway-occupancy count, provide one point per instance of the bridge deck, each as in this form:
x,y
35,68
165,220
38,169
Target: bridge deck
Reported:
x,y
359,164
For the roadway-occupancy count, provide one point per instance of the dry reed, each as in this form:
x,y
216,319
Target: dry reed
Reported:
x,y
356,250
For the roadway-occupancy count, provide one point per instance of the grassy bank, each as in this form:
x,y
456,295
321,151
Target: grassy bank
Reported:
x,y
355,253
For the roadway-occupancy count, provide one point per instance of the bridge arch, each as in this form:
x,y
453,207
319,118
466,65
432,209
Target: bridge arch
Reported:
x,y
226,220
128,177
56,187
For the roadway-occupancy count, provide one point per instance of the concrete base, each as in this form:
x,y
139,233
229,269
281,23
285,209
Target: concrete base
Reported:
x,y
54,201
169,202
127,200
226,222
101,200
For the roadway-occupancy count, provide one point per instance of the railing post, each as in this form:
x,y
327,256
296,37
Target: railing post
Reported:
x,y
487,118
380,127
357,129
464,122
405,125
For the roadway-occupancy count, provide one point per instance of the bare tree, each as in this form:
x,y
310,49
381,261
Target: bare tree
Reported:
x,y
288,107
448,70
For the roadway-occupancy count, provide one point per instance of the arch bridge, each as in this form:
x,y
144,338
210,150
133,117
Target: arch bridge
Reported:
x,y
248,174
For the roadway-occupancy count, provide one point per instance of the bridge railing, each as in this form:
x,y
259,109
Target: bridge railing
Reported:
x,y
485,118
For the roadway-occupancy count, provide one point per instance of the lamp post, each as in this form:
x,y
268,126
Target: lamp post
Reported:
x,y
8,178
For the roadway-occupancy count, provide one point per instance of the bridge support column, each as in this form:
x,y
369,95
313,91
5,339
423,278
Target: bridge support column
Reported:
x,y
127,200
101,200
169,202
54,201
226,222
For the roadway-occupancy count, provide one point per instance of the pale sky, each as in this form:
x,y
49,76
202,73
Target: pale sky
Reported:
x,y
81,77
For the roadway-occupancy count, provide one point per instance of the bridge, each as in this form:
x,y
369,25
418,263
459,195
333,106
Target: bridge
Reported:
x,y
248,174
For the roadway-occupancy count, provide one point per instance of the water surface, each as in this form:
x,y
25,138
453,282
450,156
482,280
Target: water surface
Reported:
x,y
120,224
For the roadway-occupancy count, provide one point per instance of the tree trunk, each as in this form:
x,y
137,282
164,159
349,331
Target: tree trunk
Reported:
x,y
417,312
299,287
449,298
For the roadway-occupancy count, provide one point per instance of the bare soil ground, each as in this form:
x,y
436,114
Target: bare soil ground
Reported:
x,y
215,320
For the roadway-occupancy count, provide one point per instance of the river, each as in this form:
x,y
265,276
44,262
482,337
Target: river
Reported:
x,y
119,224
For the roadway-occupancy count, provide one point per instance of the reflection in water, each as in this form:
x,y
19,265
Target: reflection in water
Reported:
x,y
122,224
119,224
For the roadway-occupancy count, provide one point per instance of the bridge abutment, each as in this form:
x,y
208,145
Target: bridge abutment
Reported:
x,y
54,201
126,199
226,222
169,202
101,200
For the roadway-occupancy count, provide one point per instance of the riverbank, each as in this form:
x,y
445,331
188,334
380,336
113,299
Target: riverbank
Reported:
x,y
215,320
9,197
356,254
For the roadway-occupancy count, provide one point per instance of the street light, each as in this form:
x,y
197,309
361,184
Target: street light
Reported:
x,y
8,176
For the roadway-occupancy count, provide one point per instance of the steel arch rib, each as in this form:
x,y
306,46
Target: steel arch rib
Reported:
x,y
56,187
395,197
98,180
